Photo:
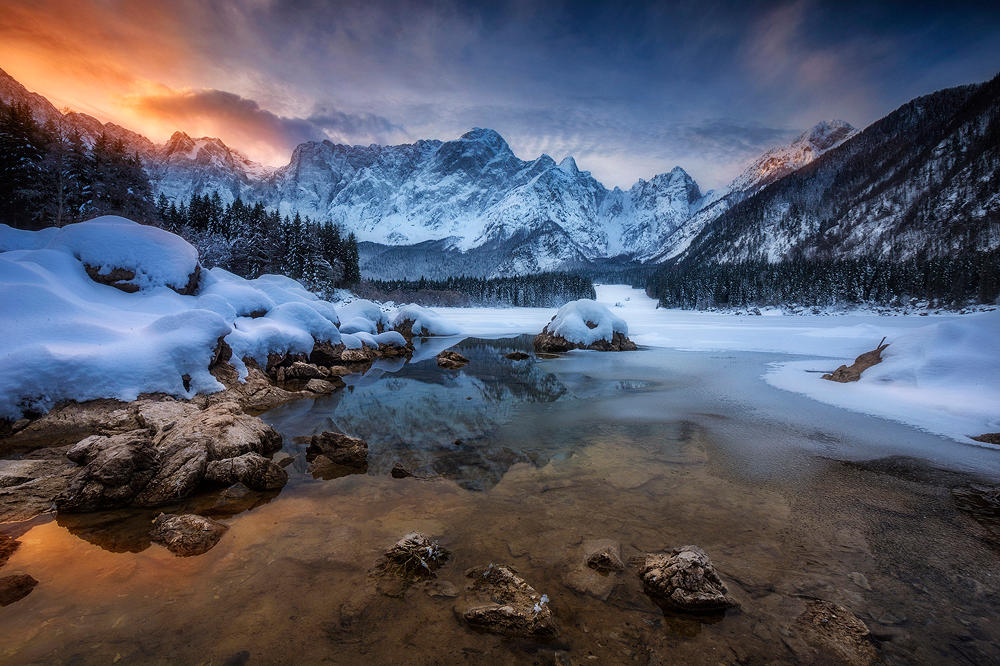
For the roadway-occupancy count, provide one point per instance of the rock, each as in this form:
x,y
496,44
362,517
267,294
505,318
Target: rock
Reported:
x,y
450,360
400,472
29,487
8,545
412,557
517,356
251,469
988,438
188,534
685,579
550,343
604,555
498,600
115,470
339,448
283,459
119,278
828,633
301,370
595,572
853,372
16,587
322,386
144,469
225,431
326,354
362,355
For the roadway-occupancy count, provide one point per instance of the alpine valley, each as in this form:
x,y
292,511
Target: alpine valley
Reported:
x,y
909,183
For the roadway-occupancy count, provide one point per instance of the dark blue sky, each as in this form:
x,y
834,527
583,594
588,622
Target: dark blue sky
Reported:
x,y
630,89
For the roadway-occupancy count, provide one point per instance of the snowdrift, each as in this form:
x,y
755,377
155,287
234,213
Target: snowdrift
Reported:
x,y
68,334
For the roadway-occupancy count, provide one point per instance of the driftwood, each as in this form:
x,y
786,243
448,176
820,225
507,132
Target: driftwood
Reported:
x,y
852,373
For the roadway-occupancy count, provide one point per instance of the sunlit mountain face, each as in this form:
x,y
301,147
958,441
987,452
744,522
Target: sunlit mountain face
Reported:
x,y
629,92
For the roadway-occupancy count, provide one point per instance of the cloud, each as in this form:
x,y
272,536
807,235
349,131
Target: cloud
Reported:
x,y
242,123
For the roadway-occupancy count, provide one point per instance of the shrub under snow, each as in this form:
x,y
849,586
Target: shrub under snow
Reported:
x,y
65,336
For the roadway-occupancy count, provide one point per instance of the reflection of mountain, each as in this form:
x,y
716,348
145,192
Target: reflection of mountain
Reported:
x,y
431,420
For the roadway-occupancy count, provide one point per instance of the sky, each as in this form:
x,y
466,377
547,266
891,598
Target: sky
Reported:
x,y
629,89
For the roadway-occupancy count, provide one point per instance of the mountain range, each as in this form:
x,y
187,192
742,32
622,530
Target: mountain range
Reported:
x,y
915,181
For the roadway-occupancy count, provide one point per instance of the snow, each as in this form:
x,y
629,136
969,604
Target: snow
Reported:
x,y
571,322
362,315
157,257
425,321
64,336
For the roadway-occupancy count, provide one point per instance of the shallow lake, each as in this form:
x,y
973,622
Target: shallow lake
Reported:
x,y
523,463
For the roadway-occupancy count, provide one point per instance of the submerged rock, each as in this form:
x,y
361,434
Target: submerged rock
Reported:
x,y
400,472
828,633
596,569
16,587
852,373
450,360
685,579
8,545
339,448
498,600
604,556
517,356
188,534
322,386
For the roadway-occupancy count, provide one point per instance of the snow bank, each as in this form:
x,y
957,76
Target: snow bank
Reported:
x,y
157,257
571,321
425,321
362,315
64,336
941,377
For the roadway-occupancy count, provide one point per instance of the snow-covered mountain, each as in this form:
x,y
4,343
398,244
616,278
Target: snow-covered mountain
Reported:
x,y
770,167
923,181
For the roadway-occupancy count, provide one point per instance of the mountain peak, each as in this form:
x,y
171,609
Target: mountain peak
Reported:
x,y
826,134
487,137
569,165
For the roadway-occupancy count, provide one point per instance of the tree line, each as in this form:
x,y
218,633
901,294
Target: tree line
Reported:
x,y
50,176
249,240
953,282
539,290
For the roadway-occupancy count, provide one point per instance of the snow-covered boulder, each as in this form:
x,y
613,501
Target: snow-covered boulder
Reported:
x,y
415,320
584,324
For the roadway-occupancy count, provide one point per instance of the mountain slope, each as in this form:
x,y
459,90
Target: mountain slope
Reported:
x,y
923,181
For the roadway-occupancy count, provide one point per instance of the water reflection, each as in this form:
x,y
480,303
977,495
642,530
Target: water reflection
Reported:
x,y
434,421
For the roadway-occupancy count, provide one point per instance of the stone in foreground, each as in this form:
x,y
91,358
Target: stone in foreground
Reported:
x,y
16,587
685,579
414,556
188,534
450,360
498,600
